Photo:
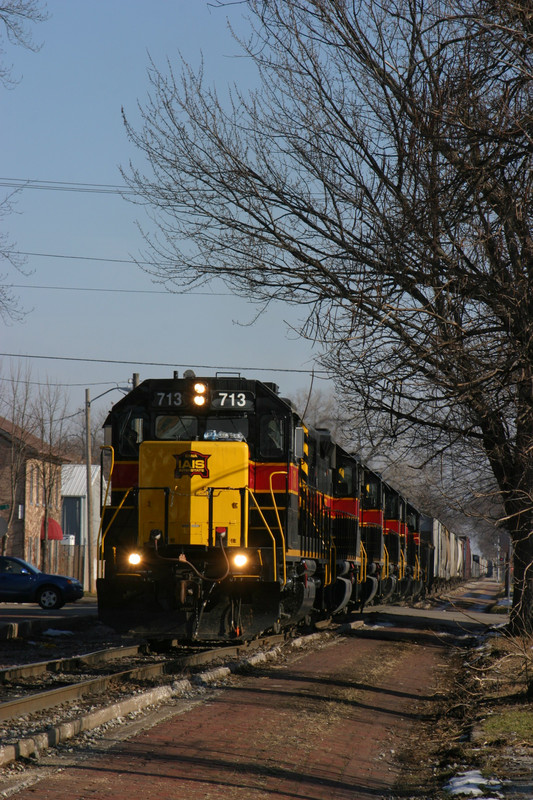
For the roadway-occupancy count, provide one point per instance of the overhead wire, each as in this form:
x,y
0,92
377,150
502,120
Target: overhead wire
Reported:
x,y
21,183
216,367
120,291
65,186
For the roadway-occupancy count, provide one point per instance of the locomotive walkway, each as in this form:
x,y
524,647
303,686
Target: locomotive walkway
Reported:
x,y
322,723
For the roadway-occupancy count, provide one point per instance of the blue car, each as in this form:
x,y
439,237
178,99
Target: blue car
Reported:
x,y
21,582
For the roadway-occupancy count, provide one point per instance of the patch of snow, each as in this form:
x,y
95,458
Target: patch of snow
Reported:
x,y
472,784
377,625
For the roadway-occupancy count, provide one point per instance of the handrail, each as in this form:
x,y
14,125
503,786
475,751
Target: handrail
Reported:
x,y
279,472
268,529
104,533
402,565
112,449
386,564
418,569
100,566
330,568
364,558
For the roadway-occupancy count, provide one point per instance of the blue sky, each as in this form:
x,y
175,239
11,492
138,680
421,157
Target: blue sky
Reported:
x,y
62,124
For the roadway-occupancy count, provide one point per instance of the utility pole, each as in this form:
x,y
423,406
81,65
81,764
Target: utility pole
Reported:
x,y
88,461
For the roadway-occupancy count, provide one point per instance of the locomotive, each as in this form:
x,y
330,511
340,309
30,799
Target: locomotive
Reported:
x,y
227,516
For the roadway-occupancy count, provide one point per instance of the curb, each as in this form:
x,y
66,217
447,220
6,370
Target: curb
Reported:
x,y
27,627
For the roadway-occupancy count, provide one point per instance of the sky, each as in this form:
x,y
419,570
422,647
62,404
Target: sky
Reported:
x,y
61,129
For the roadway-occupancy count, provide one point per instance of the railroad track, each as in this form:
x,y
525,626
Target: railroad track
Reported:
x,y
18,683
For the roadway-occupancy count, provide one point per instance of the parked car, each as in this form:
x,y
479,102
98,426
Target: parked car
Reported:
x,y
21,582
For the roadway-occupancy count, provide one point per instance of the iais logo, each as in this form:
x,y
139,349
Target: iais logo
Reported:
x,y
191,463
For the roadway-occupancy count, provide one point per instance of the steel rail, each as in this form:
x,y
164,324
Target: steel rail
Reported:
x,y
8,674
50,698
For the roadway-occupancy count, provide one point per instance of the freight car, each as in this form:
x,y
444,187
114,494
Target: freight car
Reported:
x,y
228,516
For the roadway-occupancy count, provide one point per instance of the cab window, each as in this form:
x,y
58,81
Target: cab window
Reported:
x,y
130,433
393,506
371,494
271,436
345,484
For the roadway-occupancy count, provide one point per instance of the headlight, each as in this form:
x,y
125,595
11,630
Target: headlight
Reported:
x,y
240,560
200,394
134,559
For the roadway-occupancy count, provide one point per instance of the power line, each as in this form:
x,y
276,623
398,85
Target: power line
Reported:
x,y
50,383
168,292
105,261
65,186
82,258
215,367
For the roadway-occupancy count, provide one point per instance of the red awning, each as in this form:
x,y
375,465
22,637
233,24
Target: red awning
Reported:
x,y
54,529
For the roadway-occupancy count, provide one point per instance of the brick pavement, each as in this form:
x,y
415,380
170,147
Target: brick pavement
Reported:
x,y
325,724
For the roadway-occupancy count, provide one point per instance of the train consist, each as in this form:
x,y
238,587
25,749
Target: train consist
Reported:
x,y
228,516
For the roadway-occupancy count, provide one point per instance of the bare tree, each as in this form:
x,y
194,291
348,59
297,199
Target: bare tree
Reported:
x,y
76,436
49,412
16,17
320,409
10,309
381,175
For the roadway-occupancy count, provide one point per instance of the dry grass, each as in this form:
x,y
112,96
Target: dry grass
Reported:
x,y
481,718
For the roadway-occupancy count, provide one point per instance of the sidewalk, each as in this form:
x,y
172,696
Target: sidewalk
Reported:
x,y
328,723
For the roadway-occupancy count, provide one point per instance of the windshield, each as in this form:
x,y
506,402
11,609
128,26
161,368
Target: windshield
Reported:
x,y
188,428
178,428
218,427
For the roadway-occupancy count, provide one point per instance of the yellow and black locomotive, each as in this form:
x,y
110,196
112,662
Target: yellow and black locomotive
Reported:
x,y
227,516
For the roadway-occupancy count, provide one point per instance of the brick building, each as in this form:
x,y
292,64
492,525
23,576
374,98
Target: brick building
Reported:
x,y
29,470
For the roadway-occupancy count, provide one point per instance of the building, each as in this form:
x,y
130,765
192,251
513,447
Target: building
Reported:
x,y
74,520
30,497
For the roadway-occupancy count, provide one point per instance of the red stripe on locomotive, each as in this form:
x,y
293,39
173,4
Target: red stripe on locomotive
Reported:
x,y
125,474
260,477
372,517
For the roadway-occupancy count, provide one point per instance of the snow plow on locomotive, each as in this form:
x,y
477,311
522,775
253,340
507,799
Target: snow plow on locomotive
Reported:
x,y
228,516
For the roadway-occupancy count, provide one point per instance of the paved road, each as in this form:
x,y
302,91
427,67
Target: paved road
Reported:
x,y
14,612
23,619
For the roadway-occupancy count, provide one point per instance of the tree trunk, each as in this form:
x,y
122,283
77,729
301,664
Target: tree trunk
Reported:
x,y
522,610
